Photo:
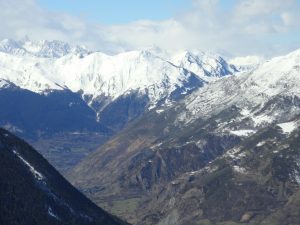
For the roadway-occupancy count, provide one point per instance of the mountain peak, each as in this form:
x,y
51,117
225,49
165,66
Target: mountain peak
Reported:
x,y
43,48
53,65
208,66
12,47
4,83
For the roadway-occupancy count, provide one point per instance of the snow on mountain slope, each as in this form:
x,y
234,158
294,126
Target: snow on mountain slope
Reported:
x,y
208,66
247,63
44,65
115,75
288,127
25,72
252,92
47,49
215,119
96,74
281,75
3,83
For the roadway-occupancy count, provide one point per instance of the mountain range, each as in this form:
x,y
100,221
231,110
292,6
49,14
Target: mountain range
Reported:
x,y
69,91
160,138
226,154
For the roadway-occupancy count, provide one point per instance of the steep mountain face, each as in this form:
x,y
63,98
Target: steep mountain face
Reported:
x,y
206,65
101,78
70,91
33,192
256,182
59,124
24,111
226,154
258,94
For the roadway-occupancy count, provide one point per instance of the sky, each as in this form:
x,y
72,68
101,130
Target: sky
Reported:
x,y
118,11
229,27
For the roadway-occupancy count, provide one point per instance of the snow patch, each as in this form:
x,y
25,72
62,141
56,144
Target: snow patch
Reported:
x,y
35,173
245,112
262,119
296,172
242,155
3,84
260,144
12,128
243,132
156,146
159,111
239,169
288,127
52,214
297,177
232,153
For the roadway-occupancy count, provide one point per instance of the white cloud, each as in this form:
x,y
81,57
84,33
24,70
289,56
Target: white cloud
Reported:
x,y
248,27
22,18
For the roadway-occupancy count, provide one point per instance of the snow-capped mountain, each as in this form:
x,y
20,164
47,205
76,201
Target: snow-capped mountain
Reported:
x,y
203,141
46,49
100,78
237,136
208,66
68,90
278,77
247,63
96,74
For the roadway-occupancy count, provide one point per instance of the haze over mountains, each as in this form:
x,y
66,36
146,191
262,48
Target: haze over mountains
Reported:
x,y
55,65
53,84
160,138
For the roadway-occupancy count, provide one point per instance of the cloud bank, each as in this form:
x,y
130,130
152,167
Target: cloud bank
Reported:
x,y
247,27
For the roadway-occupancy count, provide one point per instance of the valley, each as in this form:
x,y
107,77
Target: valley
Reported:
x,y
33,192
160,139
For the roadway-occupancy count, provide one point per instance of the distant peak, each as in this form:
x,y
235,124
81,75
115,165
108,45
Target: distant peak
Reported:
x,y
207,65
247,60
9,43
199,55
139,54
247,63
40,48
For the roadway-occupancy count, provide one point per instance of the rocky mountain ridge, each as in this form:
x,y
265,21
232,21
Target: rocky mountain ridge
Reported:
x,y
206,149
70,91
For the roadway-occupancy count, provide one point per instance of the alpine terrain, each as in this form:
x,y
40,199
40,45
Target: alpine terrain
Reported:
x,y
182,112
228,153
33,192
153,137
67,100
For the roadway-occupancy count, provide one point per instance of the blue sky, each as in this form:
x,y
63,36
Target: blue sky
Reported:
x,y
119,11
231,27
